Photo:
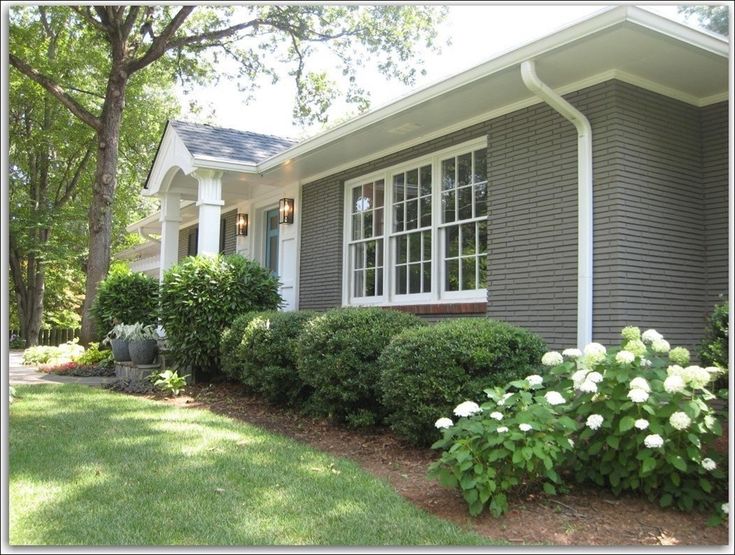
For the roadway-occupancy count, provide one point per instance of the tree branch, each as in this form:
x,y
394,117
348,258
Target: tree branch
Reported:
x,y
86,14
161,43
130,21
214,35
71,185
15,268
52,87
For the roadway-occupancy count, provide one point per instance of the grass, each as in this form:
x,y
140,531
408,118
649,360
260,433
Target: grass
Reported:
x,y
91,467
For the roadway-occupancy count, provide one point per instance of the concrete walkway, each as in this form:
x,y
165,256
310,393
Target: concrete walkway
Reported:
x,y
20,374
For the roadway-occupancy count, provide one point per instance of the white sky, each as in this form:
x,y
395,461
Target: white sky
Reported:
x,y
478,32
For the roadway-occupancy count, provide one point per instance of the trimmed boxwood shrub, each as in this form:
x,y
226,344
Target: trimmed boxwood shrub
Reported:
x,y
267,356
125,297
202,295
230,349
337,355
426,372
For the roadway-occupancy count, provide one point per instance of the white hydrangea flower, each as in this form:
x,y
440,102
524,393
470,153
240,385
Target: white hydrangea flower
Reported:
x,y
594,421
594,377
579,376
640,383
571,353
708,464
654,441
680,421
534,380
525,427
496,415
649,336
552,358
624,357
674,384
638,395
713,370
646,363
631,333
675,370
696,377
588,386
554,398
641,424
660,346
679,355
502,401
595,352
636,346
571,442
468,408
502,429
725,508
444,423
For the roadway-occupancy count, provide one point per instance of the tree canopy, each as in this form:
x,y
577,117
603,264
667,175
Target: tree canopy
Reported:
x,y
713,18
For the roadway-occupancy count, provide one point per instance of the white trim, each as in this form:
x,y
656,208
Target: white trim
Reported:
x,y
212,163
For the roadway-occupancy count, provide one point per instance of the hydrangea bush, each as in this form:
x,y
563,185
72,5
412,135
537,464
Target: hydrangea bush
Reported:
x,y
633,418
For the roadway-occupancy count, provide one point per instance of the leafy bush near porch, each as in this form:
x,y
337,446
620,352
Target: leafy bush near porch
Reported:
x,y
632,419
230,348
338,355
203,295
267,356
427,371
714,347
42,354
125,296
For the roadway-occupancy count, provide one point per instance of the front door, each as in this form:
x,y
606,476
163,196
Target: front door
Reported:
x,y
271,240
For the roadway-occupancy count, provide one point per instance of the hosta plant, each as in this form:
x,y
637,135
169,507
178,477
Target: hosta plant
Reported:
x,y
170,381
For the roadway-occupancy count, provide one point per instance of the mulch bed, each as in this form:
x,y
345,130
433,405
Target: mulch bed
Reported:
x,y
584,516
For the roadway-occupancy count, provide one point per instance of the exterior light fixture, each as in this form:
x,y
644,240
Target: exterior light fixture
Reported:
x,y
285,211
241,224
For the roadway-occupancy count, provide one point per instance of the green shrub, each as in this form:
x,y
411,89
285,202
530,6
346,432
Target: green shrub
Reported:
x,y
203,295
125,296
268,356
427,371
337,355
41,354
17,343
230,350
94,356
714,348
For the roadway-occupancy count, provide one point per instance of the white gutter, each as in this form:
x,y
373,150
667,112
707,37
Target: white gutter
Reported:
x,y
584,196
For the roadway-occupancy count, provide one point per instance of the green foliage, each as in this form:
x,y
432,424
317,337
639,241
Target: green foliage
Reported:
x,y
637,423
17,343
231,346
427,371
714,347
713,18
267,356
94,356
42,354
140,332
125,296
203,295
170,382
338,355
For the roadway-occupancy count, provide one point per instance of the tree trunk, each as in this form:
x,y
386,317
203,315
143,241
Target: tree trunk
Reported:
x,y
100,211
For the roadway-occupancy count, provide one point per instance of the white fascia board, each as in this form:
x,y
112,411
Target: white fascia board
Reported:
x,y
171,153
151,219
212,163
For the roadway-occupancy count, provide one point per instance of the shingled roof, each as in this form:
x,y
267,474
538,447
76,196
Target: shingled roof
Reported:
x,y
229,144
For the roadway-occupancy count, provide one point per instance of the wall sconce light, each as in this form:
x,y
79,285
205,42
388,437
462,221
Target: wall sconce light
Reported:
x,y
285,211
241,224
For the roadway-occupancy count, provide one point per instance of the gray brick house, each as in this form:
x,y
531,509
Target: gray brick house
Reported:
x,y
573,186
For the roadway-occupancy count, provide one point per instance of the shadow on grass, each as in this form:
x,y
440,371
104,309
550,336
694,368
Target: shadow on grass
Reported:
x,y
89,467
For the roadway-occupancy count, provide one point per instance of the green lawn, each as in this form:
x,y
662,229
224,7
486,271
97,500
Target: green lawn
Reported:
x,y
90,467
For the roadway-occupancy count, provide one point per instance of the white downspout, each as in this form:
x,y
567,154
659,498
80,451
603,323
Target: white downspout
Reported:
x,y
584,204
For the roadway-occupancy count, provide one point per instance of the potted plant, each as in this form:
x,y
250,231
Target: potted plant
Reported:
x,y
143,343
117,337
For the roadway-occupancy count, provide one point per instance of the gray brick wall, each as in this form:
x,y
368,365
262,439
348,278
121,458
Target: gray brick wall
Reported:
x,y
715,180
230,234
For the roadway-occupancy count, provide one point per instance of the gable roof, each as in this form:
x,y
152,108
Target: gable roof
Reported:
x,y
203,140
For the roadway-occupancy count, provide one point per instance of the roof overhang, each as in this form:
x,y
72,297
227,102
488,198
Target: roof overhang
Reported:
x,y
625,42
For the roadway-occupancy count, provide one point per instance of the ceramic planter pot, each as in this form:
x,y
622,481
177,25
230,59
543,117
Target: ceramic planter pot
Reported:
x,y
143,351
120,351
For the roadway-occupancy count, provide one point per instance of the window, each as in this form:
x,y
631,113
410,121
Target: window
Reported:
x,y
418,232
192,244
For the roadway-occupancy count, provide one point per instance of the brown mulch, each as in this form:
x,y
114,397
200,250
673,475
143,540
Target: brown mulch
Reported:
x,y
584,516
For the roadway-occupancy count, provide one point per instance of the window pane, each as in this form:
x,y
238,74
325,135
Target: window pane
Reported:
x,y
464,203
482,263
414,278
482,237
426,235
378,221
399,223
367,225
380,252
400,280
401,249
448,206
359,255
379,285
425,181
398,193
464,168
358,291
481,199
427,278
412,216
425,211
468,273
480,166
367,195
451,281
379,190
448,174
412,184
370,254
414,247
356,225
369,283
356,194
452,241
468,239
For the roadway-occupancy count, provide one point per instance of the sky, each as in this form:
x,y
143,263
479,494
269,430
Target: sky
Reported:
x,y
478,32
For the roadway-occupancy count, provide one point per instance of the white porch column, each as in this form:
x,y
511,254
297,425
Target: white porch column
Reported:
x,y
209,203
170,219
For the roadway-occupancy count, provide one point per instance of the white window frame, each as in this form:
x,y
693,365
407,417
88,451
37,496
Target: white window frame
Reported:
x,y
388,298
